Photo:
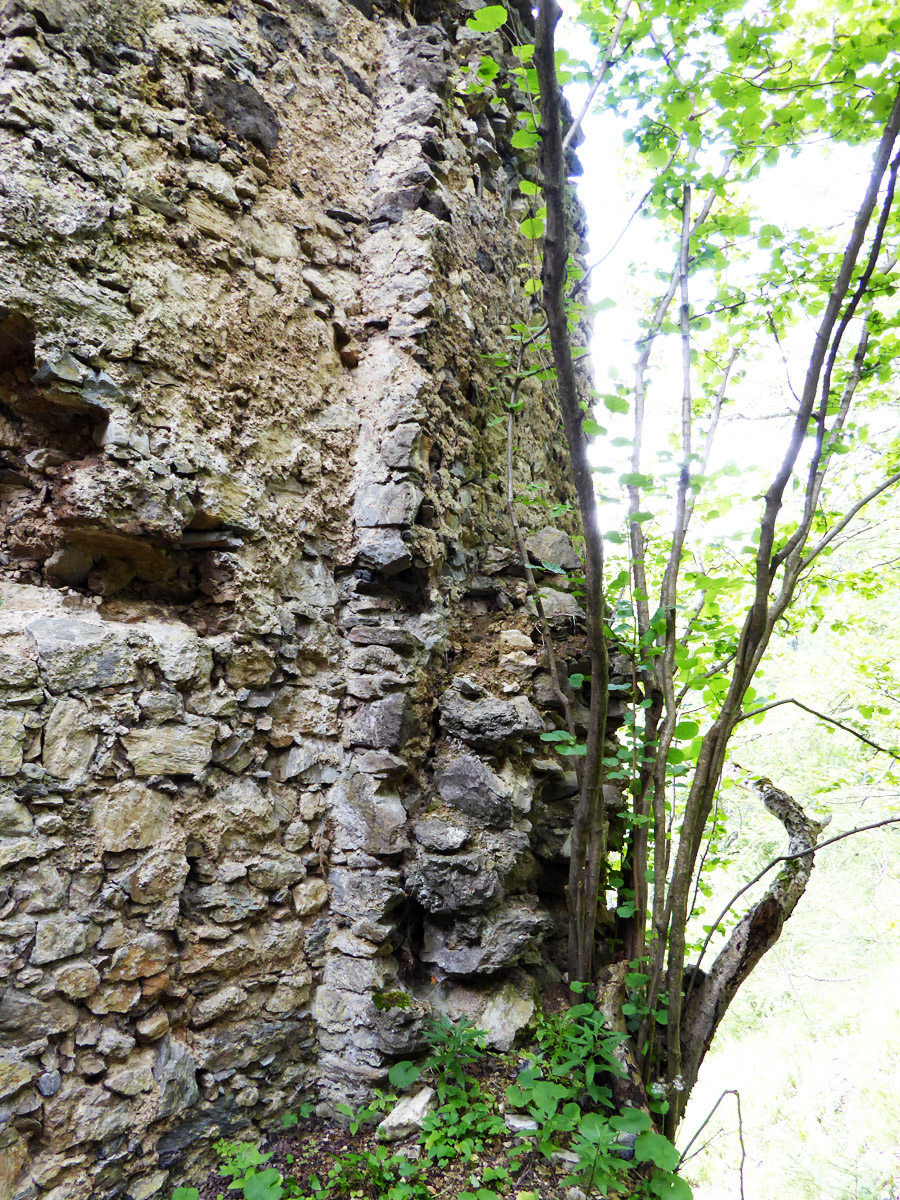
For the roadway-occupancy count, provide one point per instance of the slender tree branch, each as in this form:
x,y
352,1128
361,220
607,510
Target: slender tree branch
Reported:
x,y
822,717
589,824
599,75
783,858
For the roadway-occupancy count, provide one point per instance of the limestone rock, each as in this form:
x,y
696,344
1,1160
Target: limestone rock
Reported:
x,y
553,546
130,816
453,883
75,653
487,721
407,1116
170,749
12,736
485,946
309,896
443,836
60,937
70,740
559,607
468,784
158,875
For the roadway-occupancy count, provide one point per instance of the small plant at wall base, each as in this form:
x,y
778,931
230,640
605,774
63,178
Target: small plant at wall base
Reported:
x,y
562,1092
711,94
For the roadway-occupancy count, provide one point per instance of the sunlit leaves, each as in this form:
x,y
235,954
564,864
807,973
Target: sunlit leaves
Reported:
x,y
488,19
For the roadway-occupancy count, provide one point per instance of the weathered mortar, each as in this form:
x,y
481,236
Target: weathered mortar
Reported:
x,y
268,735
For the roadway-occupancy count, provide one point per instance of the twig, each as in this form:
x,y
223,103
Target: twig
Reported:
x,y
737,1095
838,837
822,717
599,76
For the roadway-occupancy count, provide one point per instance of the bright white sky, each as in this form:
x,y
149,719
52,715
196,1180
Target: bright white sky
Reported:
x,y
822,187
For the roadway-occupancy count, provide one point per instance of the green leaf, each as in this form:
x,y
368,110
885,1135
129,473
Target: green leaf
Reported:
x,y
670,1187
631,1120
655,1148
532,227
636,479
522,139
556,735
529,188
403,1074
487,19
616,404
687,729
591,428
265,1185
289,1120
186,1193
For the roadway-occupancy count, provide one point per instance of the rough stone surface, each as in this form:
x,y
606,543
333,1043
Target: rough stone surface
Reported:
x,y
260,760
407,1116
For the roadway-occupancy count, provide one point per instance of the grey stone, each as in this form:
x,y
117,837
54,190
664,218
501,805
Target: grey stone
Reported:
x,y
70,740
488,722
12,737
364,894
466,783
276,872
64,369
384,550
14,1075
18,667
170,749
498,941
309,896
553,546
506,1014
242,110
49,1083
130,816
175,1072
15,818
517,1123
559,607
71,565
81,654
366,818
158,876
131,1078
449,884
29,1017
383,724
378,504
407,1116
442,836
85,1113
59,937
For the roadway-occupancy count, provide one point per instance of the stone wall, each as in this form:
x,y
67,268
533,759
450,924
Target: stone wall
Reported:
x,y
272,782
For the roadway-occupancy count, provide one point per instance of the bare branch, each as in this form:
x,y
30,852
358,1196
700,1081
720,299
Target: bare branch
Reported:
x,y
783,858
822,717
599,75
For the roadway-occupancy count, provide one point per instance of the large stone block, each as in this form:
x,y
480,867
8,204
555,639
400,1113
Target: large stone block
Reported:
x,y
467,783
170,749
70,739
75,654
130,816
472,715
